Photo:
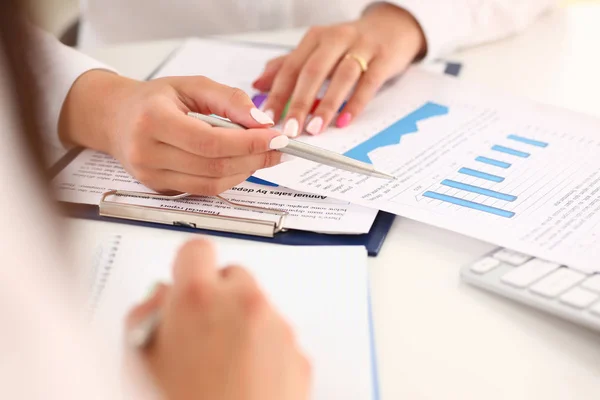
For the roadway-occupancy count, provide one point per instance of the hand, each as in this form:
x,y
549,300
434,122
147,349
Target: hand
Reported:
x,y
387,38
145,126
219,338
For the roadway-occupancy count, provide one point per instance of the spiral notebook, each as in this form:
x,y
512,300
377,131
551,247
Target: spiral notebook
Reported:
x,y
322,291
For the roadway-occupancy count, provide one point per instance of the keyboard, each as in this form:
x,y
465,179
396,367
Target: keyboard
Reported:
x,y
550,287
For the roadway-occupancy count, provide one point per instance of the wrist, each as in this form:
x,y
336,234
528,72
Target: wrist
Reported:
x,y
90,107
401,21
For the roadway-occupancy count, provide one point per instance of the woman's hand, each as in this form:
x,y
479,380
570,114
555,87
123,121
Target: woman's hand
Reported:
x,y
358,58
145,126
219,338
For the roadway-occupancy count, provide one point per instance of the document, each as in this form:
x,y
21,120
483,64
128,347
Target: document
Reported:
x,y
501,169
321,291
93,173
504,170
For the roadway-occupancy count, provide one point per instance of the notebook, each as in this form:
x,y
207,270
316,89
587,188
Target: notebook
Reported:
x,y
322,291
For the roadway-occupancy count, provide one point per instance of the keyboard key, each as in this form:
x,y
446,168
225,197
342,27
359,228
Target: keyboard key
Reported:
x,y
529,273
512,257
557,282
579,298
596,309
592,283
485,265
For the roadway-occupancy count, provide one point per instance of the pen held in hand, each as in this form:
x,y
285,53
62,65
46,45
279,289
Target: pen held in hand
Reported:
x,y
305,151
141,335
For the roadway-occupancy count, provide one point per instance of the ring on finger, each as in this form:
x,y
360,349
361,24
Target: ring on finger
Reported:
x,y
362,62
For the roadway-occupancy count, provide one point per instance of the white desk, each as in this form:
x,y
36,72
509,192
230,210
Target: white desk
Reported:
x,y
436,337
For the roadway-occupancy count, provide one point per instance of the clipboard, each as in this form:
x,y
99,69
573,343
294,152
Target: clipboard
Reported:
x,y
269,229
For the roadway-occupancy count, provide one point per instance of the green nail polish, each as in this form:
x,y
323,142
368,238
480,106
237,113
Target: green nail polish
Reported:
x,y
285,110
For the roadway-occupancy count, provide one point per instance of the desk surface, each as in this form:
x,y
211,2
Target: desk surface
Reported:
x,y
438,338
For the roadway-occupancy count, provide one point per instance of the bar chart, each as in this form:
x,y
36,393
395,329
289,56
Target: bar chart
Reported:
x,y
498,157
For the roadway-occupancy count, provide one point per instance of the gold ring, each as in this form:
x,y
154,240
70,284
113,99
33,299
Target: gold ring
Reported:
x,y
364,66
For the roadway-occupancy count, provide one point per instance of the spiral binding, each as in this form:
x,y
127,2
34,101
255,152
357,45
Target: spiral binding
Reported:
x,y
102,268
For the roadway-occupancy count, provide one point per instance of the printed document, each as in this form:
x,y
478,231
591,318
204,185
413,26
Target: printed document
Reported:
x,y
501,169
504,170
93,173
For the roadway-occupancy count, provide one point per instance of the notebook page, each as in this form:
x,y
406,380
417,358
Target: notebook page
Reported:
x,y
322,291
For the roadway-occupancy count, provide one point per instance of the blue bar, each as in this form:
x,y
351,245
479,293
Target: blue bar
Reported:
x,y
510,151
528,141
495,163
478,190
258,181
469,204
479,174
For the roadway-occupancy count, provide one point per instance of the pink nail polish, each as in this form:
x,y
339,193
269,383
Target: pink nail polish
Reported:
x,y
343,120
290,128
314,126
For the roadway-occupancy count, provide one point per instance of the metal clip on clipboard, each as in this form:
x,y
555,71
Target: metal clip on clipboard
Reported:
x,y
198,220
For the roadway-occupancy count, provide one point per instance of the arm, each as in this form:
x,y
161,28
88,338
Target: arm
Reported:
x,y
144,124
57,67
456,24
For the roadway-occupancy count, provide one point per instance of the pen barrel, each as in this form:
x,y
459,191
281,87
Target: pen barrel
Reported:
x,y
326,157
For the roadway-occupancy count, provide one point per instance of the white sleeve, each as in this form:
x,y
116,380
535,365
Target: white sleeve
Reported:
x,y
450,25
56,68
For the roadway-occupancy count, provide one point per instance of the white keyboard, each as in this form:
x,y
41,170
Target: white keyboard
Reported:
x,y
548,286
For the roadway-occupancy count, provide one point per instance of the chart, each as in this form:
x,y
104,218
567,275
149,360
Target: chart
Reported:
x,y
489,177
393,134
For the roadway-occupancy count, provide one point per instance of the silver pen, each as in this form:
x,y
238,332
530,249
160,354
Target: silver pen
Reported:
x,y
306,151
141,335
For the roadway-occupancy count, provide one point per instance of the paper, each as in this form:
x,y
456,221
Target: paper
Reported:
x,y
514,173
93,173
503,170
233,64
321,291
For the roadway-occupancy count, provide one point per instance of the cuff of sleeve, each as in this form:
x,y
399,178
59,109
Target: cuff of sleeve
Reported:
x,y
57,68
442,27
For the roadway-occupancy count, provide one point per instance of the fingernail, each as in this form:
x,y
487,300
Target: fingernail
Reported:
x,y
314,126
279,142
269,113
291,128
261,117
343,120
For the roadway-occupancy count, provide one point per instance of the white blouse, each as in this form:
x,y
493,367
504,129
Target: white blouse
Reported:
x,y
448,24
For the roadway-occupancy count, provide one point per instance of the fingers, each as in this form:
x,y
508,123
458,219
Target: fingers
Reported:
x,y
166,181
195,271
238,277
206,96
344,79
367,87
147,307
167,157
265,81
197,137
310,80
285,80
